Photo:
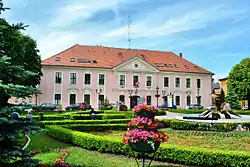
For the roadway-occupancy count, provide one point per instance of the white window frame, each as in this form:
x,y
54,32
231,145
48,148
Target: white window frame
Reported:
x,y
175,82
99,77
200,83
151,81
69,96
175,99
55,77
190,99
119,76
186,82
90,79
133,79
89,97
76,78
168,81
55,99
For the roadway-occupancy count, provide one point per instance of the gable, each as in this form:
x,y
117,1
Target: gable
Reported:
x,y
135,64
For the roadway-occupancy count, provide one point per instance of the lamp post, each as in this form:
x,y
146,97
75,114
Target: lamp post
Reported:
x,y
98,92
157,95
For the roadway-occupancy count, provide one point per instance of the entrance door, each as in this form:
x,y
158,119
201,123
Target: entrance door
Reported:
x,y
72,99
165,100
133,101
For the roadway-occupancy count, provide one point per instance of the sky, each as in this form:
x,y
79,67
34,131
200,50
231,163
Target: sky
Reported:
x,y
214,34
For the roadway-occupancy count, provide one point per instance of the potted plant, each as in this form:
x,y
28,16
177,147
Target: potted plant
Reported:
x,y
143,140
145,111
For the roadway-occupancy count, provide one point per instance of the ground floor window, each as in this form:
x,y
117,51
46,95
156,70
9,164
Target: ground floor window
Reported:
x,y
177,100
87,98
100,99
72,99
58,99
148,100
199,100
188,100
122,99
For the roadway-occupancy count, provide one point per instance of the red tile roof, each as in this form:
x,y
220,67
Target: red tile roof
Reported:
x,y
108,57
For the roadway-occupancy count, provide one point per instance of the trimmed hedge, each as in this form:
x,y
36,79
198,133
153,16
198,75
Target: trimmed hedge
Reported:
x,y
67,122
49,117
98,116
191,111
96,127
170,153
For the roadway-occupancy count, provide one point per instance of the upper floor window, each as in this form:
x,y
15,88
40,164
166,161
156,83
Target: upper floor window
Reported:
x,y
135,80
101,79
198,83
188,82
177,82
149,81
87,79
58,77
166,82
72,78
122,80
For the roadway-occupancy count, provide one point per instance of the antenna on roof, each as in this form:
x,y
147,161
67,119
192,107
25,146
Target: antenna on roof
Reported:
x,y
129,24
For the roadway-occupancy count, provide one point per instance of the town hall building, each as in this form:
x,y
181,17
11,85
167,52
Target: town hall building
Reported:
x,y
131,76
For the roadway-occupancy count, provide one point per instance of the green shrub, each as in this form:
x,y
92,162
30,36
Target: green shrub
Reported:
x,y
191,111
113,116
96,127
180,125
160,112
49,117
241,112
98,116
170,153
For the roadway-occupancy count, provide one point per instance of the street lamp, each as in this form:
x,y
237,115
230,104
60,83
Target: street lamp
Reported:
x,y
98,92
157,95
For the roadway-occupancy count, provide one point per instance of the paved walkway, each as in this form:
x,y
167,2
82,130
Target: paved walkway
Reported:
x,y
179,116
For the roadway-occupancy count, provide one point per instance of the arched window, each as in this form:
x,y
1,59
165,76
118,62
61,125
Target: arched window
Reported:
x,y
122,99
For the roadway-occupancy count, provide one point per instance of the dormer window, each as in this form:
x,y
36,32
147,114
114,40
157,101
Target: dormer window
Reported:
x,y
94,61
157,65
57,58
72,60
170,65
186,67
176,66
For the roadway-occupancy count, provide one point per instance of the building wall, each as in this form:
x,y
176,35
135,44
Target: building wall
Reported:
x,y
223,85
26,100
111,88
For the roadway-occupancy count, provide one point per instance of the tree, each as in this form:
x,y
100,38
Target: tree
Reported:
x,y
233,99
19,80
239,80
20,51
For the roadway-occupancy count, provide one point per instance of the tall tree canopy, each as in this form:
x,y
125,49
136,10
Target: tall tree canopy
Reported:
x,y
20,52
239,80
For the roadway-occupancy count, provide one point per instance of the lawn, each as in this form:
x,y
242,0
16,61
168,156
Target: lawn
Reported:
x,y
79,156
234,141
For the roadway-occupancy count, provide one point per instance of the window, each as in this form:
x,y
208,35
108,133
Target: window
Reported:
x,y
58,99
198,83
101,79
23,100
87,98
57,58
188,82
87,79
188,100
72,99
177,100
149,81
199,100
72,59
100,99
135,79
177,82
122,81
122,99
58,76
72,78
148,100
166,82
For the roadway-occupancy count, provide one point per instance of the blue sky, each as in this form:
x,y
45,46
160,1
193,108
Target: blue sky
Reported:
x,y
213,34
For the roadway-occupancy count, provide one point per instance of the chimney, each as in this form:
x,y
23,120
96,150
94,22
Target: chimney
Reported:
x,y
180,55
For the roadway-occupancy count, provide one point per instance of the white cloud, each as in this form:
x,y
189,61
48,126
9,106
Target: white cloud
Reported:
x,y
220,76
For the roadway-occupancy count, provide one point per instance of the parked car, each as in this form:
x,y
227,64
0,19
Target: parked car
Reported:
x,y
194,106
45,106
166,106
78,106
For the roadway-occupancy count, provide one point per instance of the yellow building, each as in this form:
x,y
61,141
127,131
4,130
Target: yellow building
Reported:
x,y
223,85
26,100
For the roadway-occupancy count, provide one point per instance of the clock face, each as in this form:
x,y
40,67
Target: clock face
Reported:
x,y
136,66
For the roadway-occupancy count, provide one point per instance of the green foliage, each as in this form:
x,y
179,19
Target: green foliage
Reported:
x,y
191,111
106,105
98,116
239,80
96,127
170,153
232,98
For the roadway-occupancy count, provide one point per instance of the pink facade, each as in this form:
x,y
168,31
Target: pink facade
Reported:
x,y
113,87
